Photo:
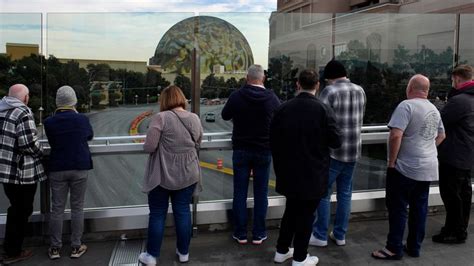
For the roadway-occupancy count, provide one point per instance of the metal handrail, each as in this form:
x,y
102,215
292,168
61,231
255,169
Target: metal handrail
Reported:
x,y
208,136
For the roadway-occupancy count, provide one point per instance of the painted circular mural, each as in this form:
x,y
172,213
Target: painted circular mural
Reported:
x,y
219,42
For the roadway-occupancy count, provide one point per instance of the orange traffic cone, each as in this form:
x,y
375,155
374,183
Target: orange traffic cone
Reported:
x,y
219,163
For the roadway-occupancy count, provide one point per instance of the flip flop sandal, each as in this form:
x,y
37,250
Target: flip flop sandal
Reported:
x,y
385,255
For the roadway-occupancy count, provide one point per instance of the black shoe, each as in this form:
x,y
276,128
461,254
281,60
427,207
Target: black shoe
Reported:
x,y
411,253
448,238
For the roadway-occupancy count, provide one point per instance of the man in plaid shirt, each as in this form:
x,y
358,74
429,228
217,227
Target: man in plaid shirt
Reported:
x,y
20,168
348,103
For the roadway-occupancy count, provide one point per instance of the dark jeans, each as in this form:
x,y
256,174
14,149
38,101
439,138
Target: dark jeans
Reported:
x,y
243,162
402,192
158,201
456,191
296,226
21,207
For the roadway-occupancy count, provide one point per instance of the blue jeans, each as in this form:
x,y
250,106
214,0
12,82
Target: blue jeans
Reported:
x,y
243,162
402,192
341,173
158,201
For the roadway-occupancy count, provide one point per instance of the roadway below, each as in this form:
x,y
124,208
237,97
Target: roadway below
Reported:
x,y
116,179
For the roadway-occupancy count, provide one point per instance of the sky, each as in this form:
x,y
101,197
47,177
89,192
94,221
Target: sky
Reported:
x,y
122,29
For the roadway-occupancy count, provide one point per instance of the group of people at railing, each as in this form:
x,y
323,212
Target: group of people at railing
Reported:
x,y
313,139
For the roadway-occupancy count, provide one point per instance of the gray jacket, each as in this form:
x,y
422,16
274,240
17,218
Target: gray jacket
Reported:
x,y
173,162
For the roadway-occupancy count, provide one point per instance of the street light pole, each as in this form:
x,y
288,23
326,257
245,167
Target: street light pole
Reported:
x,y
136,99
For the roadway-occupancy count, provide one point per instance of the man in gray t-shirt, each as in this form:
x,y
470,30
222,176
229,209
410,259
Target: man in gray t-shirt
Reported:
x,y
420,123
415,131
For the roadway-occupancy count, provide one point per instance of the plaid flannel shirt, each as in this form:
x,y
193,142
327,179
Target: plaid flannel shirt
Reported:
x,y
20,151
347,100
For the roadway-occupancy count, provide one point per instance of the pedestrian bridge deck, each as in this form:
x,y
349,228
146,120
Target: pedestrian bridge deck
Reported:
x,y
217,248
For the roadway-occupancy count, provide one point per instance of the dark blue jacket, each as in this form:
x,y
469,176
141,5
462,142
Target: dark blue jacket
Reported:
x,y
251,109
68,133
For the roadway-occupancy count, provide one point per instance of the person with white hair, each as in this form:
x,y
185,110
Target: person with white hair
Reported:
x,y
69,162
251,108
20,168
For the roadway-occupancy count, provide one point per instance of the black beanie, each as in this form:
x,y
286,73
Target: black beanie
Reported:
x,y
334,69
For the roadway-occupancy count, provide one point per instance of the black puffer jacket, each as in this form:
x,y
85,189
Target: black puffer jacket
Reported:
x,y
457,149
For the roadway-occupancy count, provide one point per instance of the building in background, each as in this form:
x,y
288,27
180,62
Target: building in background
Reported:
x,y
136,66
381,43
19,50
311,32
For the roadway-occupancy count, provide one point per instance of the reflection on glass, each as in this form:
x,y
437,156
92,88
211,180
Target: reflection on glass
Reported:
x,y
466,39
370,168
231,43
118,63
380,51
110,60
21,62
116,180
218,181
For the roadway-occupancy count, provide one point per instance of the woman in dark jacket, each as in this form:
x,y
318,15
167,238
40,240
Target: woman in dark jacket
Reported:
x,y
70,160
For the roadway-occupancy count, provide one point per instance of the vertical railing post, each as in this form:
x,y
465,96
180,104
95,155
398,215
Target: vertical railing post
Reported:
x,y
45,204
456,40
195,101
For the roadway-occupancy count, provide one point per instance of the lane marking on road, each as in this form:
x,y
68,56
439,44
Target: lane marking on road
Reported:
x,y
212,166
229,171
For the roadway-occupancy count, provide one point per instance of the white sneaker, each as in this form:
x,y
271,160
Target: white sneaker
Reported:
x,y
337,241
183,258
280,258
313,241
147,259
309,261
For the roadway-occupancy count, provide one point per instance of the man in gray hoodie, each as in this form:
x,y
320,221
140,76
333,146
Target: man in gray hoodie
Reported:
x,y
20,168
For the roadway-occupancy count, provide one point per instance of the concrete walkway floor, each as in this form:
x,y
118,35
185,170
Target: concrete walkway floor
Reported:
x,y
217,248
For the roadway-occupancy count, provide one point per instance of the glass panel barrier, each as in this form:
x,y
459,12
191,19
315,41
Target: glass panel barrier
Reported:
x,y
228,44
116,180
466,49
466,39
118,63
382,51
217,176
369,173
21,61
